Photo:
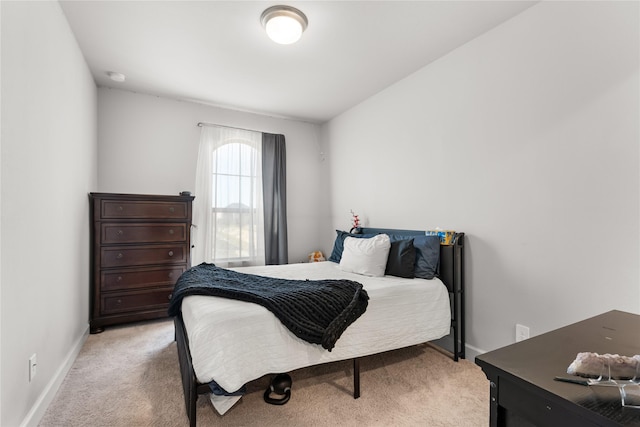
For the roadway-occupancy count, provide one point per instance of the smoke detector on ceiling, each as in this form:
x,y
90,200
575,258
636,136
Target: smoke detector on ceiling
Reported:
x,y
116,77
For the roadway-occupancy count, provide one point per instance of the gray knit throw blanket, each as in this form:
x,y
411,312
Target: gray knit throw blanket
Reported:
x,y
317,311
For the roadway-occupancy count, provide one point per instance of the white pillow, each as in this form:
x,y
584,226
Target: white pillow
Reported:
x,y
366,256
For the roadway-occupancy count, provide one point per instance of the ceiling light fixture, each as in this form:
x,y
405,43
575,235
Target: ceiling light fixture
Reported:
x,y
116,77
284,24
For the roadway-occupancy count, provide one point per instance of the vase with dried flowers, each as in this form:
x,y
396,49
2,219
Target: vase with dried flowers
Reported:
x,y
355,220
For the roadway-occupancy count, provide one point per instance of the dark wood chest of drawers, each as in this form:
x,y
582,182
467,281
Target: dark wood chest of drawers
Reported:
x,y
140,246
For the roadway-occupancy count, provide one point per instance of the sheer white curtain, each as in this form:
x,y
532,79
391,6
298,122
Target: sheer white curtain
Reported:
x,y
228,207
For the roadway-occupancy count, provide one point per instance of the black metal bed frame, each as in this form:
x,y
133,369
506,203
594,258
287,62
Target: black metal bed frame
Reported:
x,y
451,273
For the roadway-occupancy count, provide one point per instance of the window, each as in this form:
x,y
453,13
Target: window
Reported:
x,y
235,200
228,208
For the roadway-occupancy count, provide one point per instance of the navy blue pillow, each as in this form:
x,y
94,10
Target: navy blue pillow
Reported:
x,y
427,256
338,245
402,258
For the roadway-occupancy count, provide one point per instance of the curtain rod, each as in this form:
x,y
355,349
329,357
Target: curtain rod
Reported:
x,y
200,124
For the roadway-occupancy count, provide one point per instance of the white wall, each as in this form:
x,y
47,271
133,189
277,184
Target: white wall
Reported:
x,y
48,165
0,222
526,139
149,145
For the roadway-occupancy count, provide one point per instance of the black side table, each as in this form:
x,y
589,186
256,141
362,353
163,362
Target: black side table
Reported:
x,y
523,390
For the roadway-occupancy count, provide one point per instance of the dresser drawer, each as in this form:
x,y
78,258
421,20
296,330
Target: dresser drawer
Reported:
x,y
113,233
142,255
135,301
129,209
115,280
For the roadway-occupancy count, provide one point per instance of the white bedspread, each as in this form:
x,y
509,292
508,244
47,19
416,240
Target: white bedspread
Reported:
x,y
234,342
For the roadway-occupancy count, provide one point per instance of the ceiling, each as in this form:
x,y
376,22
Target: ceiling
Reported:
x,y
217,53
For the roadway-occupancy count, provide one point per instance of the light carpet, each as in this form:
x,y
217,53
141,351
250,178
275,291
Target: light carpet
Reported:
x,y
129,376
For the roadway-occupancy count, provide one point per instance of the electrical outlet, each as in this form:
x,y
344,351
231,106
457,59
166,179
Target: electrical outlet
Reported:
x,y
522,332
33,363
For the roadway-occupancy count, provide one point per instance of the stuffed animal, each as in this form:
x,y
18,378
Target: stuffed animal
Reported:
x,y
316,256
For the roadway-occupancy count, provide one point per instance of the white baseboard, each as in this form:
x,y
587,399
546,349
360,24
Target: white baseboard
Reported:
x,y
46,397
470,352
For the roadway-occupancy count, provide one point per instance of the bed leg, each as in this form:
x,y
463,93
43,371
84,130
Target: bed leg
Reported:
x,y
356,378
192,408
455,328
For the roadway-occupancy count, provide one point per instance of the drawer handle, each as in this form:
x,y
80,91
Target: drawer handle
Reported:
x,y
120,233
170,295
119,301
171,231
119,256
119,278
172,209
120,208
170,275
170,253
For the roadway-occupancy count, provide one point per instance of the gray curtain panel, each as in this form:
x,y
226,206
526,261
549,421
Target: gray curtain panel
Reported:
x,y
274,187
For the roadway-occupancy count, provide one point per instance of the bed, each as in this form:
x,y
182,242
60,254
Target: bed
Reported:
x,y
230,342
